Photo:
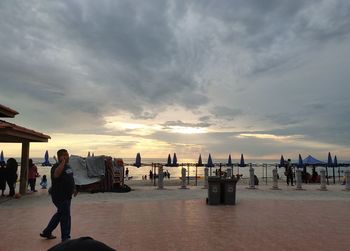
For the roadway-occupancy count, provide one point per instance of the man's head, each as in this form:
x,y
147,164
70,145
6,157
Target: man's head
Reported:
x,y
63,154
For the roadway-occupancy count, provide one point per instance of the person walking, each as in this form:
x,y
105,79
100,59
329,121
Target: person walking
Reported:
x,y
2,177
32,174
11,175
62,189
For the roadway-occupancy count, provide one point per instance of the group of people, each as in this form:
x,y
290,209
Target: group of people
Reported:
x,y
152,175
8,174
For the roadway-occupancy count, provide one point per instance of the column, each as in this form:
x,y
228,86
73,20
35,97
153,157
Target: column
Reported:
x,y
323,180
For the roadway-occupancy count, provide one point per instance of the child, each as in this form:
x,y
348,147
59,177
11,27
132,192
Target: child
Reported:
x,y
43,182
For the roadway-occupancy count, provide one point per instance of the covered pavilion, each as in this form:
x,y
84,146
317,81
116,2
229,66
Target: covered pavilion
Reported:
x,y
11,133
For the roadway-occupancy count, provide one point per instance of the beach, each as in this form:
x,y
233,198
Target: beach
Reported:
x,y
148,218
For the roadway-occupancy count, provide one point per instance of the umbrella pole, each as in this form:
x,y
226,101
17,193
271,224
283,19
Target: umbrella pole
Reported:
x,y
196,174
327,175
188,173
333,176
339,173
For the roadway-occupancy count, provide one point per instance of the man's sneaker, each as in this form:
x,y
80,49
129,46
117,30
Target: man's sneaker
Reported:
x,y
48,236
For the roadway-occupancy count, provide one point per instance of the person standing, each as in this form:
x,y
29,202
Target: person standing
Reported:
x,y
62,189
11,175
2,177
32,174
127,174
289,173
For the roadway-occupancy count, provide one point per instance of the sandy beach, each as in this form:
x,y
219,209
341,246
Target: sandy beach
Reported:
x,y
179,219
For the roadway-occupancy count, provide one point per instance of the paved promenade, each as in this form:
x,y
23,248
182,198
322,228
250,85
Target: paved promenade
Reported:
x,y
177,219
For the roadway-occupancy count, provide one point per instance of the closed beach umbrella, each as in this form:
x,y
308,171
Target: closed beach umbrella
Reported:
x,y
46,159
229,161
138,160
241,163
89,154
2,159
335,163
175,160
330,163
200,163
282,162
168,163
210,161
47,156
300,163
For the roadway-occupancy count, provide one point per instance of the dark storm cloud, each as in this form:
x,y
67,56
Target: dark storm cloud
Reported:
x,y
226,113
65,65
169,124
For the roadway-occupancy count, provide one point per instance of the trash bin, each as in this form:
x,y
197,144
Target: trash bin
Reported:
x,y
229,191
214,190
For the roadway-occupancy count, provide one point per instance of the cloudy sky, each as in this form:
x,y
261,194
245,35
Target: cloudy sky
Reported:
x,y
263,78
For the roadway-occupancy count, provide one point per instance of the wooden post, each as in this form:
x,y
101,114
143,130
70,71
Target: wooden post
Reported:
x,y
24,168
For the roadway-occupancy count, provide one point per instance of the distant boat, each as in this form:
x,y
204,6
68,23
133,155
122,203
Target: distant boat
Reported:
x,y
46,162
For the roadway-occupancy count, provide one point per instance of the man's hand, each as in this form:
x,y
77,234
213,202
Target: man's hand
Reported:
x,y
75,192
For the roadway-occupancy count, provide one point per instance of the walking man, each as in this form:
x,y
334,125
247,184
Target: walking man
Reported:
x,y
62,189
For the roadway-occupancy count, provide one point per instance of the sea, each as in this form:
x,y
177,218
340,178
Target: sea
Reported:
x,y
262,168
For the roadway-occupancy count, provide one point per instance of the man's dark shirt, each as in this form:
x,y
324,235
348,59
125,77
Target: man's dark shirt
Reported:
x,y
62,186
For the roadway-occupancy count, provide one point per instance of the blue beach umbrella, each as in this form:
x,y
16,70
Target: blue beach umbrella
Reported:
x,y
210,163
168,163
241,163
46,159
138,160
330,163
300,162
2,159
200,163
282,162
175,160
335,164
229,161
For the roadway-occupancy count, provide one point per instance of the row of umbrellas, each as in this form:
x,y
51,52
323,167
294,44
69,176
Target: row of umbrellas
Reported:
x,y
309,160
199,163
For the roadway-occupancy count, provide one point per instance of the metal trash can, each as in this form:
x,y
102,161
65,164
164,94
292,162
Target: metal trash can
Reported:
x,y
214,190
230,191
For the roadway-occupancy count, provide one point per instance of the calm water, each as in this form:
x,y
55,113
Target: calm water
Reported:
x,y
175,172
